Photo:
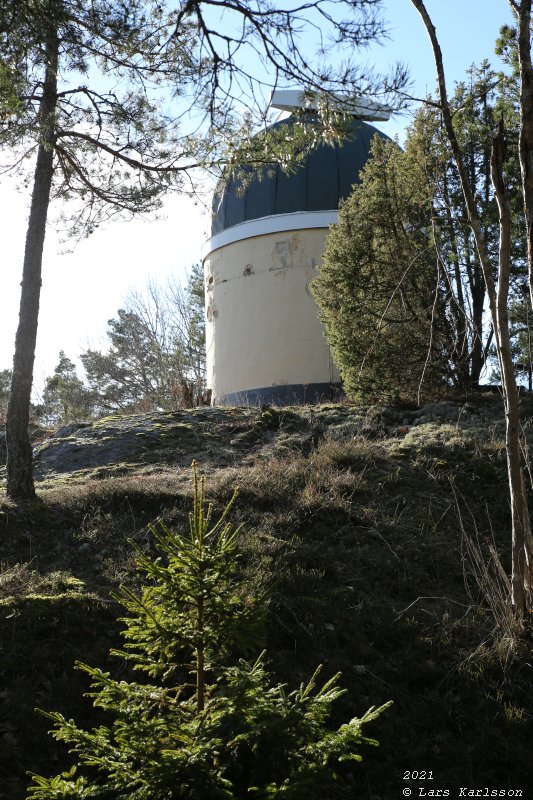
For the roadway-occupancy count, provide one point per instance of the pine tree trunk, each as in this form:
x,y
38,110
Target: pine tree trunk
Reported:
x,y
20,484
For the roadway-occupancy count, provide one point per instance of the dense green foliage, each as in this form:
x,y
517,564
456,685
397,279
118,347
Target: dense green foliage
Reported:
x,y
65,397
379,291
521,318
402,292
211,727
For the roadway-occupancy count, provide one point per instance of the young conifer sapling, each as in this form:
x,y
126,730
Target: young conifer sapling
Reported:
x,y
204,724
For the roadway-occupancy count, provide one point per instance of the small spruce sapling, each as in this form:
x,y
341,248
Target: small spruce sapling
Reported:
x,y
204,728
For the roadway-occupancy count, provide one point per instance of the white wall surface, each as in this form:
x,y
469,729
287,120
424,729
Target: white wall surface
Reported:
x,y
262,324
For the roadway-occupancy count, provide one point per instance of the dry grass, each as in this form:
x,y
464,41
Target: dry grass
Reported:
x,y
23,580
358,544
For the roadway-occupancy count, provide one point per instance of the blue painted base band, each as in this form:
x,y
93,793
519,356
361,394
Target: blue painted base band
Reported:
x,y
288,395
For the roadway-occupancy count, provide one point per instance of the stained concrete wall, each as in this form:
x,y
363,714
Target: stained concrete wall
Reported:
x,y
262,323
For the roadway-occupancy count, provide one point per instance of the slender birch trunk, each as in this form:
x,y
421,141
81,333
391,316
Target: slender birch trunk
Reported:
x,y
519,504
520,520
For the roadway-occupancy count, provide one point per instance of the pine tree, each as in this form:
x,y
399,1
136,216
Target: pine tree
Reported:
x,y
208,726
155,358
65,397
122,101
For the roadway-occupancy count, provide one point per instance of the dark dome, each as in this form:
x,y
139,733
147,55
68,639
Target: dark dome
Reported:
x,y
326,176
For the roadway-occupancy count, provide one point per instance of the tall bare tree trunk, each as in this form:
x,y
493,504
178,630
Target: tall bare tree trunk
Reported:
x,y
520,520
20,484
523,12
521,530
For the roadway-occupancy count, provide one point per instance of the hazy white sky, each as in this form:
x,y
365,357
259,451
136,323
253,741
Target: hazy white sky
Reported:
x,y
85,288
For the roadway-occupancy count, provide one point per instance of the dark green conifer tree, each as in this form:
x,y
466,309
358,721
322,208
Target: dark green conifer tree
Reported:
x,y
379,291
402,292
65,397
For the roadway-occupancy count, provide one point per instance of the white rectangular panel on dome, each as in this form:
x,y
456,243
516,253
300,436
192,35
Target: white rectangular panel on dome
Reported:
x,y
289,99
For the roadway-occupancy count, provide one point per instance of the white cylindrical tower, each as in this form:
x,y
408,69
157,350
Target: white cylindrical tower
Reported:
x,y
265,342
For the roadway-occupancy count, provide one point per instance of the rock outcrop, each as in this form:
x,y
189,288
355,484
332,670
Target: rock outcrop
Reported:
x,y
219,437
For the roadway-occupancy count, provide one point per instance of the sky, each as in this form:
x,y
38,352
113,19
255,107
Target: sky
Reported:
x,y
83,289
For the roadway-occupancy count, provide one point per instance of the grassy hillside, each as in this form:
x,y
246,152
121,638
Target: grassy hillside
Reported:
x,y
364,526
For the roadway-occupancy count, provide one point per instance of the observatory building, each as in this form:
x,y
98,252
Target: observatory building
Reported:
x,y
265,342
